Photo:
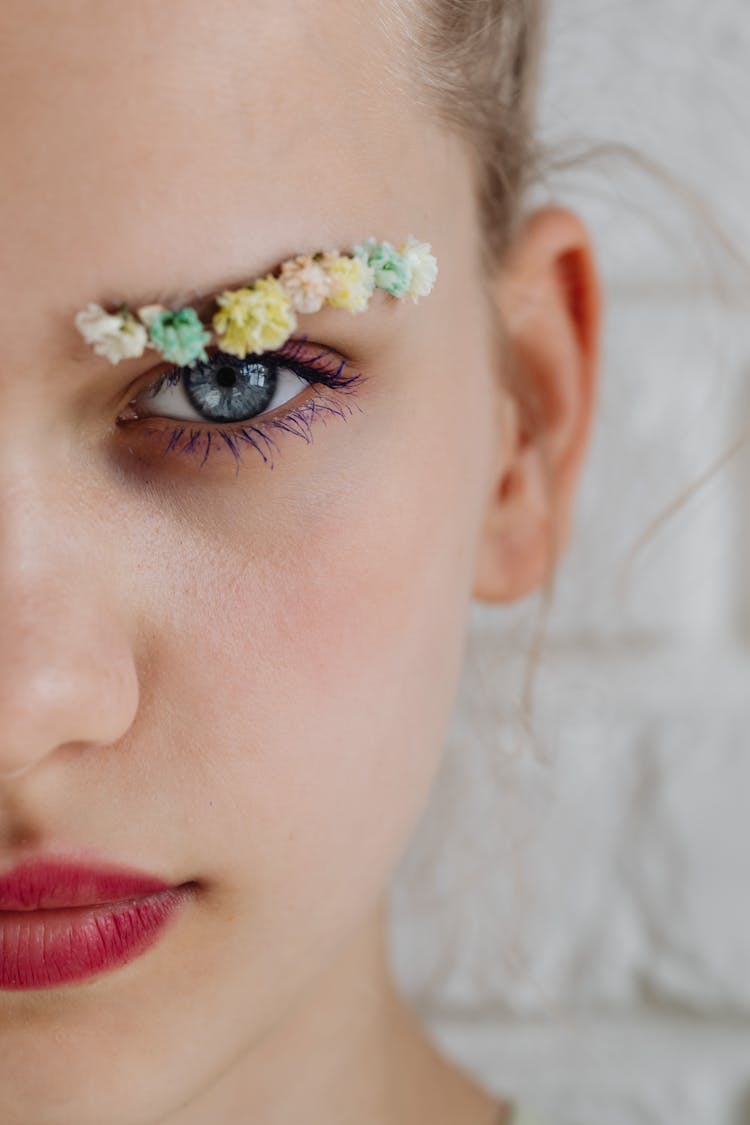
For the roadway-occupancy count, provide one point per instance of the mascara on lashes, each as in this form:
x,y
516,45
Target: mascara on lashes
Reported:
x,y
323,369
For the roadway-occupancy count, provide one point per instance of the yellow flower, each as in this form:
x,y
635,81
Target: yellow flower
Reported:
x,y
254,319
352,282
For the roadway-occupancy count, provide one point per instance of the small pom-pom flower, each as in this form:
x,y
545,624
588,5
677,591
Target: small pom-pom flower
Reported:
x,y
254,319
147,313
391,270
178,335
351,280
306,283
423,266
116,336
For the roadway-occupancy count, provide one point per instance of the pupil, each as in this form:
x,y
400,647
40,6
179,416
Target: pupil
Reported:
x,y
226,389
226,377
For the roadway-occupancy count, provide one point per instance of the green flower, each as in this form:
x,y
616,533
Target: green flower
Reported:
x,y
178,335
392,270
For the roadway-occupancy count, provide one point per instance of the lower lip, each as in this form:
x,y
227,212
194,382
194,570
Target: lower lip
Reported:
x,y
46,948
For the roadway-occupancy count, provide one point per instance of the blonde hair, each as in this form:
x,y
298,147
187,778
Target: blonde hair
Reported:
x,y
475,64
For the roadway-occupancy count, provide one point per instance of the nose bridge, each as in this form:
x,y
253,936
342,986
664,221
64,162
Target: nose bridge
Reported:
x,y
66,668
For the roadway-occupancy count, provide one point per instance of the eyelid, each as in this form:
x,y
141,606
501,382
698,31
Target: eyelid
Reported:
x,y
333,389
160,370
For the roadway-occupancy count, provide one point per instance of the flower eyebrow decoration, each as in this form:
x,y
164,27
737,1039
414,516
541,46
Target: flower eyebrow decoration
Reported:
x,y
261,316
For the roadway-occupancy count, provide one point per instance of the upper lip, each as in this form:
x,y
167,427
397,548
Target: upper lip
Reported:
x,y
58,882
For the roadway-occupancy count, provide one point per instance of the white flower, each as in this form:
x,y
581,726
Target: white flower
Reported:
x,y
306,284
116,336
423,265
147,313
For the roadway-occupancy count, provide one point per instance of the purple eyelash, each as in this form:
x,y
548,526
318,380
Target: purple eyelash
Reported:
x,y
323,370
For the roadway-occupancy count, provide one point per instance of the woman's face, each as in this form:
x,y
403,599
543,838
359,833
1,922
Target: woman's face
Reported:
x,y
238,677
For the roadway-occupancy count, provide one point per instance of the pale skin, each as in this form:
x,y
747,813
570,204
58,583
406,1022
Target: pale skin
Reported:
x,y
244,679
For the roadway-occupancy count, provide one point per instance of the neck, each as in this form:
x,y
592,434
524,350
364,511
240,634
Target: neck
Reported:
x,y
349,1050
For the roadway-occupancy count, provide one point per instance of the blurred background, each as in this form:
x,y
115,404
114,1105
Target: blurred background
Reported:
x,y
572,919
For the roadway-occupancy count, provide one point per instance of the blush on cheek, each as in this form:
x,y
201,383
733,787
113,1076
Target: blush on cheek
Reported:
x,y
342,643
369,626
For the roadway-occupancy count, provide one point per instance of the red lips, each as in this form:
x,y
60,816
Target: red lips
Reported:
x,y
63,921
46,884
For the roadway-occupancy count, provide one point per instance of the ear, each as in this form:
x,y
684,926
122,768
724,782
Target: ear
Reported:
x,y
549,299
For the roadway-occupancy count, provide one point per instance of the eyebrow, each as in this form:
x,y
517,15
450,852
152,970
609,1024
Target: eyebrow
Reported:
x,y
197,297
203,299
200,298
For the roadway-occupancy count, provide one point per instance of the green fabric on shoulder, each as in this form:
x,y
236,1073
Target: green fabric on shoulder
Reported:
x,y
521,1116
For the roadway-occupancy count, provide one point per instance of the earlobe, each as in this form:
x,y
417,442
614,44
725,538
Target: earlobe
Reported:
x,y
549,298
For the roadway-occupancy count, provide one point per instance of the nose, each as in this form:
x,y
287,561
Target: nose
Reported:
x,y
65,677
67,672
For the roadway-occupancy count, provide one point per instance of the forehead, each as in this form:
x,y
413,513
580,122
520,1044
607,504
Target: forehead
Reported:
x,y
146,142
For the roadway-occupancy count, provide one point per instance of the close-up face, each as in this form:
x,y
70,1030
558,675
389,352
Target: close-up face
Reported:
x,y
233,674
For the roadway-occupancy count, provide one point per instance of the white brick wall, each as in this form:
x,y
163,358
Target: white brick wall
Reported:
x,y
573,917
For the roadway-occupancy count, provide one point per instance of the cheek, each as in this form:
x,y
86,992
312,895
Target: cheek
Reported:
x,y
319,677
329,673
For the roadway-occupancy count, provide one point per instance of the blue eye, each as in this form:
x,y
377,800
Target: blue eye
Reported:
x,y
242,393
226,389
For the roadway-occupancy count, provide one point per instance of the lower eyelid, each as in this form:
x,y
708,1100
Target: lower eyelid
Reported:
x,y
200,441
